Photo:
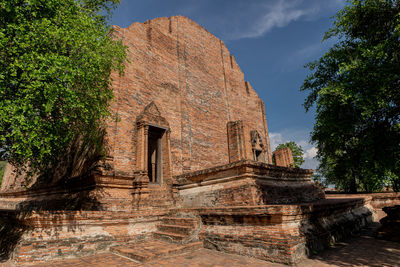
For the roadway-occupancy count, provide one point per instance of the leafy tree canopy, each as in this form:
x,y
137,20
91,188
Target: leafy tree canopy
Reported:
x,y
56,59
297,152
355,88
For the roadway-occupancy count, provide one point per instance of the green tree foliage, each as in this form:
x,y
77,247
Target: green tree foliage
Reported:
x,y
355,88
56,59
297,152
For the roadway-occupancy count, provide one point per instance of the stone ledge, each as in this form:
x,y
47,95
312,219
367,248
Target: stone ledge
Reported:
x,y
74,185
244,167
245,183
322,206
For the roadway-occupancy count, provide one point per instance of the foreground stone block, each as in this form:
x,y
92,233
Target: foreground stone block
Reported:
x,y
247,183
41,236
281,233
283,157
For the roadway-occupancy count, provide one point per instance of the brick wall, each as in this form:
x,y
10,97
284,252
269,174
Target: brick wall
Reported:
x,y
283,157
377,200
247,183
195,83
40,236
281,233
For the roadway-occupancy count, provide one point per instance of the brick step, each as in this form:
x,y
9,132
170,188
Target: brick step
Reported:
x,y
180,221
178,229
170,236
153,249
133,253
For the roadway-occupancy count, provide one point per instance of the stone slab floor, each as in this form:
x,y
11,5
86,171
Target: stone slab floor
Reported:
x,y
364,250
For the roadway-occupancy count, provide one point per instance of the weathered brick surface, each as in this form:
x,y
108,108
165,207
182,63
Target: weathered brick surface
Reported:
x,y
360,251
281,233
59,234
195,83
377,200
247,183
198,258
153,249
283,157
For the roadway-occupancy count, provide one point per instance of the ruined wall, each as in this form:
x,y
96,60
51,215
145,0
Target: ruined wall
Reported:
x,y
283,157
281,233
31,237
378,201
195,83
247,183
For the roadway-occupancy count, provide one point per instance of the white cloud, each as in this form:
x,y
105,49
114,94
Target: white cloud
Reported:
x,y
278,15
275,139
237,19
310,153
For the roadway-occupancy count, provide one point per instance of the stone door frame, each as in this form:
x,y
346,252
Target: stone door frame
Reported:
x,y
151,117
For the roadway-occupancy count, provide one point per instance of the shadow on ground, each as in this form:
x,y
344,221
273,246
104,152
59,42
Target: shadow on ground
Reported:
x,y
364,250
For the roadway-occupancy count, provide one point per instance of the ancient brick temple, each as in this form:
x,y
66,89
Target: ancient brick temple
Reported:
x,y
189,164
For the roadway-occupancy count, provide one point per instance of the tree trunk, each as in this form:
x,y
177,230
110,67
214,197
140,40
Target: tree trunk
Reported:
x,y
353,184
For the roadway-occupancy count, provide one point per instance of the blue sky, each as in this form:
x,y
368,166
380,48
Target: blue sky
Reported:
x,y
271,40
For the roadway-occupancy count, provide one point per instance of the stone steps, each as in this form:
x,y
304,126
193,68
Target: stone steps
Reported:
x,y
179,229
175,235
181,221
153,249
170,236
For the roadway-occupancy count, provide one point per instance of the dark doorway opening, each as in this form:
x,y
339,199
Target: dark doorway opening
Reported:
x,y
258,155
154,160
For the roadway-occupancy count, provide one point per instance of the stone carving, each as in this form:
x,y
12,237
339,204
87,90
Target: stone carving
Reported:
x,y
257,146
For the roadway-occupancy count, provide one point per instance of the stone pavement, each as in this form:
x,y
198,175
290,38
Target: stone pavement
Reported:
x,y
364,250
201,257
